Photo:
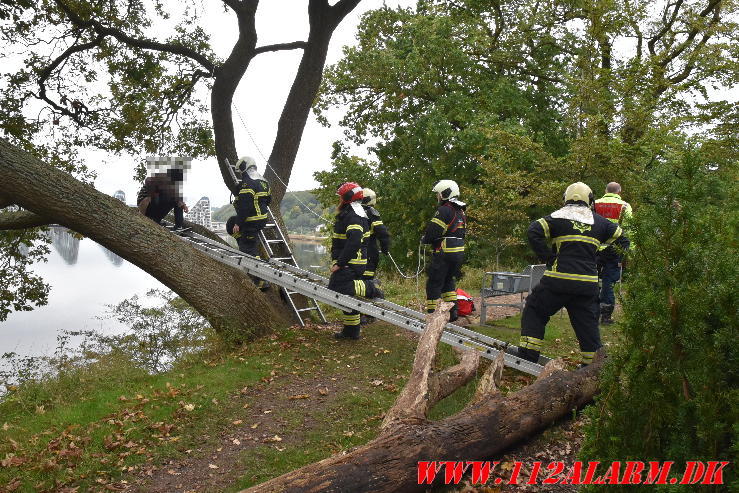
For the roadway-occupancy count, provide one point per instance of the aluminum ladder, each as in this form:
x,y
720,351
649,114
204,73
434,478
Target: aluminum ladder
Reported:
x,y
314,286
277,247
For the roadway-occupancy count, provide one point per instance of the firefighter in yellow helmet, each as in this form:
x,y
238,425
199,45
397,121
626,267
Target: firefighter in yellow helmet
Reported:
x,y
567,240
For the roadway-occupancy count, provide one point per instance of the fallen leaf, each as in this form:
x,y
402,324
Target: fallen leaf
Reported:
x,y
348,433
376,382
254,426
13,485
40,410
275,438
213,466
189,407
267,411
299,396
236,441
323,391
237,422
6,427
123,398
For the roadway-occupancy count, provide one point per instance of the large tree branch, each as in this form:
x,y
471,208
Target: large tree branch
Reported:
x,y
134,42
21,220
665,28
281,46
713,7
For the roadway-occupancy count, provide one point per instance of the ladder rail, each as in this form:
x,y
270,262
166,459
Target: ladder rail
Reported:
x,y
282,275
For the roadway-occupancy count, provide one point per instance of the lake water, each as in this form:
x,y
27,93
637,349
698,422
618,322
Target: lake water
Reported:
x,y
84,278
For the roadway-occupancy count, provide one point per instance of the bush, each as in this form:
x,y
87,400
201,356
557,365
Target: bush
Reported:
x,y
670,391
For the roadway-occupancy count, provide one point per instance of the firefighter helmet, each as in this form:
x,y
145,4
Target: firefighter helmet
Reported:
x,y
349,192
370,197
245,162
579,192
446,189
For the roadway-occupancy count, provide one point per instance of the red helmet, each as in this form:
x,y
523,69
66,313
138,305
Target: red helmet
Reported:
x,y
349,192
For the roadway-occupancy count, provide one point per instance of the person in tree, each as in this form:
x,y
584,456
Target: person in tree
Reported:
x,y
252,200
445,232
379,238
162,193
567,240
610,259
349,255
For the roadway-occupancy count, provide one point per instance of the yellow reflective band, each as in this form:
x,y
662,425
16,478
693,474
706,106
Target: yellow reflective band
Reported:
x,y
368,273
452,250
431,304
245,191
581,238
528,342
354,226
616,235
351,319
359,288
449,296
376,223
358,261
256,218
545,227
587,356
339,236
571,277
366,235
438,221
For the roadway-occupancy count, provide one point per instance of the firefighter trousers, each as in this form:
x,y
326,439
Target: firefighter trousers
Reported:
x,y
348,280
249,244
441,272
543,302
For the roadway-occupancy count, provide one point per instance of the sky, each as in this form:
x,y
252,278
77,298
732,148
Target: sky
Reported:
x,y
259,99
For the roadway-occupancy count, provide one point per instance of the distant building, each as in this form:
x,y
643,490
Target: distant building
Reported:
x,y
200,213
120,195
218,226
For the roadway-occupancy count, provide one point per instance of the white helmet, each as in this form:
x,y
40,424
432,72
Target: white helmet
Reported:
x,y
370,197
447,189
245,162
579,192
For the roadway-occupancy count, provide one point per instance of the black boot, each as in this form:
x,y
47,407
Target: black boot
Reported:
x,y
453,315
605,314
527,354
377,293
344,335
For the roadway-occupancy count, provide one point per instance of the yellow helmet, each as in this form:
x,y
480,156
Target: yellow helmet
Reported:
x,y
370,197
579,192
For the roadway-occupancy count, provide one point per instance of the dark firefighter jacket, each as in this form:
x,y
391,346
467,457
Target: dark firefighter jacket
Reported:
x,y
446,229
378,233
569,249
251,204
349,238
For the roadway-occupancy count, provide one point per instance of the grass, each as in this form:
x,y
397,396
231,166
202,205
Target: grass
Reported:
x,y
97,426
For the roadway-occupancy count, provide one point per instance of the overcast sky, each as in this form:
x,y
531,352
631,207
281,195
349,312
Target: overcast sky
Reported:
x,y
259,99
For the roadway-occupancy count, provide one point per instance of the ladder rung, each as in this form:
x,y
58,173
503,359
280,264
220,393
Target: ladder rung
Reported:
x,y
275,241
281,258
308,309
270,225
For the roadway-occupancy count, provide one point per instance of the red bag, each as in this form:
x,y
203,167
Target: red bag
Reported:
x,y
465,305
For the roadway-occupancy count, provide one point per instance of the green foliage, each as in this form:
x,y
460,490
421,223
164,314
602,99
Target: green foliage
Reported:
x,y
514,100
20,288
670,391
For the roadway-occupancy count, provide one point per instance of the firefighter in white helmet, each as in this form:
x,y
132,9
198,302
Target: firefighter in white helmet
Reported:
x,y
379,238
445,232
567,240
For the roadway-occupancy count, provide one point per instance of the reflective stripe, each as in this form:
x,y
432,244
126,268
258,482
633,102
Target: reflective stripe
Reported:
x,y
366,235
358,261
430,304
545,227
360,289
438,221
571,277
368,273
354,226
246,190
528,342
447,249
256,218
616,235
581,238
351,319
376,223
587,356
338,236
449,296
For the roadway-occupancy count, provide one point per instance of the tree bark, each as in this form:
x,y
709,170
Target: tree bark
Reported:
x,y
486,427
225,296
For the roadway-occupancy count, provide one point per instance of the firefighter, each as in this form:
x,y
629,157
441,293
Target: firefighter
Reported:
x,y
610,259
445,232
251,202
567,241
349,255
378,234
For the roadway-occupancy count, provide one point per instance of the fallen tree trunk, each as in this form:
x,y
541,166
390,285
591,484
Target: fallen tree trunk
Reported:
x,y
486,427
225,296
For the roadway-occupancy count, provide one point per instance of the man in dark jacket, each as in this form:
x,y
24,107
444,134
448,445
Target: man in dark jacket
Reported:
x,y
567,241
378,233
349,255
251,202
161,193
445,232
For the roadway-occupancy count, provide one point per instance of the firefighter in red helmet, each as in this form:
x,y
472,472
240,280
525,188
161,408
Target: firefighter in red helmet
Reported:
x,y
349,255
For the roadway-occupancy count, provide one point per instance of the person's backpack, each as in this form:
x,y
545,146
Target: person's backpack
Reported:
x,y
465,304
